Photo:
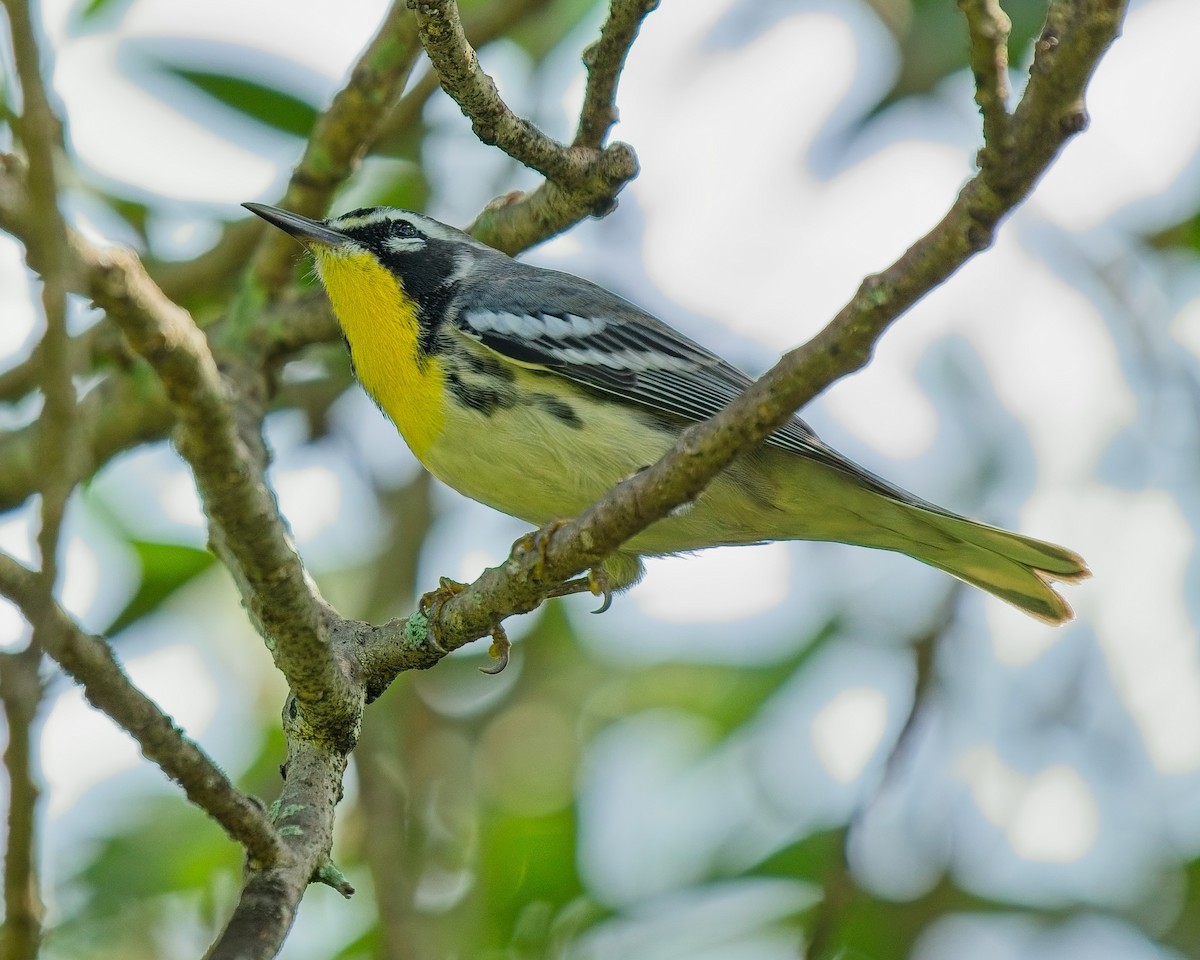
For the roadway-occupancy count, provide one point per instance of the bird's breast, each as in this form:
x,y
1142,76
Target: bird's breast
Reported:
x,y
383,329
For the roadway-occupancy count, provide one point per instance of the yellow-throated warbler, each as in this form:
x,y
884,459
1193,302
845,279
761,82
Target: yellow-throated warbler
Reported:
x,y
534,392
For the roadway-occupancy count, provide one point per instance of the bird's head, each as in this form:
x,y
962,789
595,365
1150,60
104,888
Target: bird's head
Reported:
x,y
420,253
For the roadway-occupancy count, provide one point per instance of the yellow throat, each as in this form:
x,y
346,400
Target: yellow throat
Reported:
x,y
380,323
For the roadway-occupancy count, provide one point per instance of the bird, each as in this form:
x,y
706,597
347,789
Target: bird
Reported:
x,y
535,391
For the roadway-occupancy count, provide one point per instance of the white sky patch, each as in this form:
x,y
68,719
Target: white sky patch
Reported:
x,y
80,749
473,563
847,730
137,137
310,498
717,586
730,251
1050,817
906,425
1049,357
1057,820
17,536
16,307
13,629
1017,638
1185,328
132,135
180,501
1140,615
81,576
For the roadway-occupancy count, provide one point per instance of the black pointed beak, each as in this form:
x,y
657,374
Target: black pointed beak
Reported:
x,y
305,230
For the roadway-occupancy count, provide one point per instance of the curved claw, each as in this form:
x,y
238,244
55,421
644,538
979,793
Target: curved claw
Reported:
x,y
598,584
498,651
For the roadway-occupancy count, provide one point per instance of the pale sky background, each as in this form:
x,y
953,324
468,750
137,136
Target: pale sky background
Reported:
x,y
1064,354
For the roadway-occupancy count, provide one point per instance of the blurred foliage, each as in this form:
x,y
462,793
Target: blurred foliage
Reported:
x,y
270,107
165,567
1183,236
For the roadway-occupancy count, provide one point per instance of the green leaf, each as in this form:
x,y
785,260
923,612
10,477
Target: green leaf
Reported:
x,y
91,10
273,108
1183,235
165,568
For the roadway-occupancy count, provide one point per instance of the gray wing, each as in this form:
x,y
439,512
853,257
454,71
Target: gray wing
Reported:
x,y
545,318
593,337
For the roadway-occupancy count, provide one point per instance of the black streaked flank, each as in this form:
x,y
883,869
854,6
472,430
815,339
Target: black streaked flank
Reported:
x,y
557,408
487,400
485,366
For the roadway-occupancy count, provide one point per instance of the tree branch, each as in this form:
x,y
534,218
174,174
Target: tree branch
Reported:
x,y
247,527
605,61
441,31
21,693
41,136
267,905
581,179
988,27
482,25
90,661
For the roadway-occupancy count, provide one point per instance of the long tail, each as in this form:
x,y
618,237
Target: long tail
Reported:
x,y
1013,567
784,497
854,506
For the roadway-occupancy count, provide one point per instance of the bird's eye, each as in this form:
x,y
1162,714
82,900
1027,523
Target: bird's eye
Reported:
x,y
404,229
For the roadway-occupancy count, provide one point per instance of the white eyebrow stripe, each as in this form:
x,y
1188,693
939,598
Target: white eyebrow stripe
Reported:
x,y
404,244
382,215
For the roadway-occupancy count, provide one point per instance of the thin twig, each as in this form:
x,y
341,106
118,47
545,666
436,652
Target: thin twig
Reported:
x,y
605,61
90,661
40,134
989,26
481,25
442,34
126,409
21,692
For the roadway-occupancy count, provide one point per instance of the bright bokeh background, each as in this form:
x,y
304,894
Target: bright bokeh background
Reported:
x,y
738,706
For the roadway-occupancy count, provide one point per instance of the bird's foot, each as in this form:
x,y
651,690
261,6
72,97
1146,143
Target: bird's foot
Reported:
x,y
596,583
430,605
538,542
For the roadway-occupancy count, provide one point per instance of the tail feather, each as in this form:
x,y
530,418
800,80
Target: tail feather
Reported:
x,y
1015,568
